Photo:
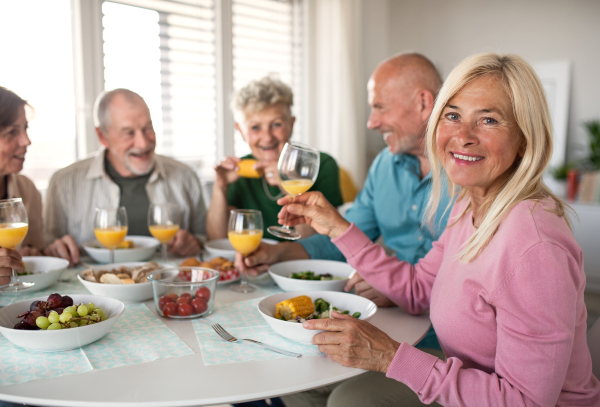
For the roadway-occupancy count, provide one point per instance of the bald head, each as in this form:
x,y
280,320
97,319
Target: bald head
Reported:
x,y
402,90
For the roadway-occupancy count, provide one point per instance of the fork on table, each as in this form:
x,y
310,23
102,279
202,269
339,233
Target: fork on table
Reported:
x,y
230,338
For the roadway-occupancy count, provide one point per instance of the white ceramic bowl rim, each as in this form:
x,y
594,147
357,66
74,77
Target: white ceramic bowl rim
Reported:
x,y
151,276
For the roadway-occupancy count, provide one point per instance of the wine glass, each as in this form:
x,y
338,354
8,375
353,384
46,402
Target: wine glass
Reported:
x,y
110,228
298,168
163,222
245,230
13,229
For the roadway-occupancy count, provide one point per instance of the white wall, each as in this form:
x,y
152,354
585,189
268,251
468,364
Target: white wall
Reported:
x,y
538,30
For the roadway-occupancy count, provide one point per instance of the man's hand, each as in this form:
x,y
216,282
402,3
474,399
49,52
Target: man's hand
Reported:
x,y
315,210
30,251
65,248
354,343
184,244
364,289
258,261
9,259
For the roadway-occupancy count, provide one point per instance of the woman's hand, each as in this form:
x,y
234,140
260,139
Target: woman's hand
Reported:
x,y
270,171
9,259
364,289
226,172
313,209
353,343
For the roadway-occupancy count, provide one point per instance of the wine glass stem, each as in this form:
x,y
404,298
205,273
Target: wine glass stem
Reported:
x,y
111,256
163,252
14,279
285,225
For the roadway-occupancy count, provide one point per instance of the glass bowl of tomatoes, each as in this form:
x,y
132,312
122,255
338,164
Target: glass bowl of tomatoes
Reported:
x,y
184,292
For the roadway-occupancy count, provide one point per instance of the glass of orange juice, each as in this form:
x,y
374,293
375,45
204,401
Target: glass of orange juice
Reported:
x,y
110,228
163,222
13,229
245,230
298,167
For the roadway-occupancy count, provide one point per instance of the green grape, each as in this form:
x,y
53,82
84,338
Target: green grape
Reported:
x,y
72,310
73,324
83,322
54,326
82,310
91,307
53,317
100,313
65,316
42,322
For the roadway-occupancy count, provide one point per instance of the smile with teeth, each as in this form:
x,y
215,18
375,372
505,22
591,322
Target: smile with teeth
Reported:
x,y
466,158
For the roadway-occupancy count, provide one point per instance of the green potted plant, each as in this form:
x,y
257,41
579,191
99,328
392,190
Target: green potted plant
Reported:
x,y
593,128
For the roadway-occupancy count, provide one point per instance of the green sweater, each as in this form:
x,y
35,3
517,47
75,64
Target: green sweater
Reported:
x,y
248,193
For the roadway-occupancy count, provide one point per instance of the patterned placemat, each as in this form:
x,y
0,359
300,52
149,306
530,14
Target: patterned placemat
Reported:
x,y
137,337
242,320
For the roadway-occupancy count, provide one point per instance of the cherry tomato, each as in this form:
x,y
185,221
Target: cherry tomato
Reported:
x,y
200,305
185,309
184,300
203,292
173,296
164,300
186,295
170,309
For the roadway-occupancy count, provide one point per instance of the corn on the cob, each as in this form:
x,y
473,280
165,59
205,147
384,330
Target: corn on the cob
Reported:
x,y
301,306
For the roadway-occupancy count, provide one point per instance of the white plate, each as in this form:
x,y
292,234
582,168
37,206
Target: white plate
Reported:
x,y
60,339
47,270
281,274
295,331
223,248
144,249
123,292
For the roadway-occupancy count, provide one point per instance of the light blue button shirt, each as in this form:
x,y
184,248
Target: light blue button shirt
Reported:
x,y
391,205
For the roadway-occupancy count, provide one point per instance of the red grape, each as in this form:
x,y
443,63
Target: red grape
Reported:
x,y
203,292
163,300
185,309
170,309
54,301
66,301
32,316
200,305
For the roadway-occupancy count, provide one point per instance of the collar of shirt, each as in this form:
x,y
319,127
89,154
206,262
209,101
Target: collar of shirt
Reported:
x,y
97,169
411,164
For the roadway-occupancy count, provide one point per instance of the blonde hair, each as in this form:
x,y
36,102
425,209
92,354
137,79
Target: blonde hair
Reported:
x,y
533,119
260,94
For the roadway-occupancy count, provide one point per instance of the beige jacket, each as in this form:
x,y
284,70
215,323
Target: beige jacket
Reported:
x,y
19,186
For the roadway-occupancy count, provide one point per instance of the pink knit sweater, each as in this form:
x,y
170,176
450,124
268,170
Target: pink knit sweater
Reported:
x,y
512,323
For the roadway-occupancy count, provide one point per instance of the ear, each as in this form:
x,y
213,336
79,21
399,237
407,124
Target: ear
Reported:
x,y
425,103
238,128
101,137
292,121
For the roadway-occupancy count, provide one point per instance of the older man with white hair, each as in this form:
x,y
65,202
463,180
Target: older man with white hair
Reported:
x,y
126,173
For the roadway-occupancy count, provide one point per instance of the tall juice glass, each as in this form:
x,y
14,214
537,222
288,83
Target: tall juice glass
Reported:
x,y
245,230
298,168
110,228
163,223
13,229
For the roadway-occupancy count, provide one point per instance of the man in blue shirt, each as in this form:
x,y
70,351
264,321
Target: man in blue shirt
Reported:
x,y
391,205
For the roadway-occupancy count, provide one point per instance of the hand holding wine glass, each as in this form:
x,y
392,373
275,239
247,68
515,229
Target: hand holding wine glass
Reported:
x,y
298,168
110,228
13,229
245,231
163,222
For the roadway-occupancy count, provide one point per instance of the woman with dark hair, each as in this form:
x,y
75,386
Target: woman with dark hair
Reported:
x,y
13,147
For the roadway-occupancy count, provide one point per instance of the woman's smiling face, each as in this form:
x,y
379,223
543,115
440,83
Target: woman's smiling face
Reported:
x,y
13,145
478,139
267,131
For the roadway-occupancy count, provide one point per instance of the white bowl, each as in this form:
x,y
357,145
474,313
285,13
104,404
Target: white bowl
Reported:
x,y
281,274
47,270
295,331
144,249
60,339
223,248
127,293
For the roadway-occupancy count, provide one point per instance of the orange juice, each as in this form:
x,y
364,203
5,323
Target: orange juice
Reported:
x,y
245,241
296,186
163,233
112,236
12,234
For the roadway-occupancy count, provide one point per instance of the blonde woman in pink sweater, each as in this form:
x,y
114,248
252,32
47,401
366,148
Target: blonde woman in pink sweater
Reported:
x,y
504,283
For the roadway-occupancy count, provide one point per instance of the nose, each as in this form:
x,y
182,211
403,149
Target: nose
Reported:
x,y
143,139
466,135
24,139
374,121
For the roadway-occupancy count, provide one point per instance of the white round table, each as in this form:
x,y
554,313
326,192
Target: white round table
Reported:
x,y
186,381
